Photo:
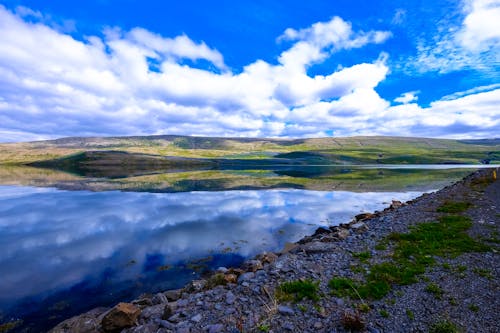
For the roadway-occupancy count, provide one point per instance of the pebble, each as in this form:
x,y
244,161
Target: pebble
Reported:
x,y
286,310
230,298
215,328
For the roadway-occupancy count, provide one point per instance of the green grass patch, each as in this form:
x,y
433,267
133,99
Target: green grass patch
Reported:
x,y
444,326
298,290
435,290
486,273
384,313
473,307
413,253
410,314
454,207
362,256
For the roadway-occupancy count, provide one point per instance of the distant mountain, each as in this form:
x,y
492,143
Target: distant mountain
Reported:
x,y
164,151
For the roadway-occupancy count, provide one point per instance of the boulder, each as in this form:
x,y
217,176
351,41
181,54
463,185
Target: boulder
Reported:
x,y
173,295
88,322
251,265
267,257
364,216
359,227
121,316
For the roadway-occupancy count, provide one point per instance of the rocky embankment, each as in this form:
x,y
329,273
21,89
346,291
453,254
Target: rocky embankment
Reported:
x,y
428,265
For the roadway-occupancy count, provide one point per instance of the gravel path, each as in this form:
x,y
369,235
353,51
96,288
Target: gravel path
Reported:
x,y
459,292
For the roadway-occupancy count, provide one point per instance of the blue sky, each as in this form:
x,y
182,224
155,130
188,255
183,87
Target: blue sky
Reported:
x,y
249,68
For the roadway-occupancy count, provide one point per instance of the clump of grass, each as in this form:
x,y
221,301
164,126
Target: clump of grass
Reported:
x,y
410,314
454,207
434,289
486,273
473,307
363,307
216,280
298,290
302,307
362,256
384,313
444,326
264,328
353,321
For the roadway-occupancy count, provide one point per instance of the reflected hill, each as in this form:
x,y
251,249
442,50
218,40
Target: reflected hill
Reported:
x,y
321,178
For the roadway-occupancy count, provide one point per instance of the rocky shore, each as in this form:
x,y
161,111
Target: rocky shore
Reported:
x,y
427,265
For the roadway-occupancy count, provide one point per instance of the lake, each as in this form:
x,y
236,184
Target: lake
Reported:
x,y
69,243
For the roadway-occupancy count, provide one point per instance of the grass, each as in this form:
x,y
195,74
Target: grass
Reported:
x,y
473,307
486,273
454,207
362,256
298,290
435,290
410,314
413,253
444,326
384,313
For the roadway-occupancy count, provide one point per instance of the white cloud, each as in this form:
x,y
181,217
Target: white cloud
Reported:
x,y
475,44
481,26
407,97
137,83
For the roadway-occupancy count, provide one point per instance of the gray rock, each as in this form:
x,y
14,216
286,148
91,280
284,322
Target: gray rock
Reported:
x,y
286,310
197,318
230,298
173,295
246,277
169,310
230,311
155,311
215,328
159,299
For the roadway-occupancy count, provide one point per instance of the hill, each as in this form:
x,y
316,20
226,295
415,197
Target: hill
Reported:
x,y
210,150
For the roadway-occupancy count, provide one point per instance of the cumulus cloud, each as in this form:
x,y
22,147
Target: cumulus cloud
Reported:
x,y
407,97
475,44
140,83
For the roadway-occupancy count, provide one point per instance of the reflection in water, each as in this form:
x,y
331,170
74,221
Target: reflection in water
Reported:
x,y
106,242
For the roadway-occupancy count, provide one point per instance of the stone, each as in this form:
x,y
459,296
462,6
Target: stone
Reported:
x,y
321,231
267,257
86,323
159,298
230,298
173,295
215,328
251,265
343,233
197,318
231,278
395,204
196,286
285,310
318,247
359,227
121,316
364,216
169,310
222,270
246,277
318,325
288,326
155,311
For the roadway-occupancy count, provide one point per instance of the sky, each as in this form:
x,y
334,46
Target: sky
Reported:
x,y
422,68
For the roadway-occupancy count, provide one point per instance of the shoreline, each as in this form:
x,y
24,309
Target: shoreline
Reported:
x,y
252,298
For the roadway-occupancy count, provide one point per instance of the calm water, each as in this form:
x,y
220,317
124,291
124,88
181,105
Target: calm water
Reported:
x,y
66,251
